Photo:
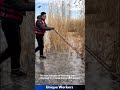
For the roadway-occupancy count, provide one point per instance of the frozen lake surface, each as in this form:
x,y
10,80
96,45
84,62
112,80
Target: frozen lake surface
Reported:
x,y
60,64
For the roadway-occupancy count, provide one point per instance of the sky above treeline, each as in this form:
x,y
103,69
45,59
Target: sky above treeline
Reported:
x,y
76,8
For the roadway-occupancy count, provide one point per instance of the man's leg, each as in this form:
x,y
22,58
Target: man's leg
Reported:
x,y
36,49
40,41
4,55
12,34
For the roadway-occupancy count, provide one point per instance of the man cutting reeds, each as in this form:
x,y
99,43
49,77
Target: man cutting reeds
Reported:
x,y
41,28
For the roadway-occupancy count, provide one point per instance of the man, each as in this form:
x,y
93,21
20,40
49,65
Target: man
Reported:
x,y
11,15
41,28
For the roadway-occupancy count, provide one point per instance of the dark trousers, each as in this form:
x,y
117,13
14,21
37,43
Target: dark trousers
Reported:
x,y
12,33
40,41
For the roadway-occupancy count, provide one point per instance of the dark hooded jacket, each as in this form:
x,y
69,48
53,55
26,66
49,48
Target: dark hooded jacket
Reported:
x,y
21,5
41,26
13,10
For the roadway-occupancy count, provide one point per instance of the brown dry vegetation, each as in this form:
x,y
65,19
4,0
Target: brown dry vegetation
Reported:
x,y
105,21
71,29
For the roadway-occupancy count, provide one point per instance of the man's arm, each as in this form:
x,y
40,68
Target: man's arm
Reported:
x,y
21,5
42,26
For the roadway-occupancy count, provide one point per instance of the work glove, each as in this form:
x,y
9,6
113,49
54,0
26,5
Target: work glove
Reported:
x,y
52,28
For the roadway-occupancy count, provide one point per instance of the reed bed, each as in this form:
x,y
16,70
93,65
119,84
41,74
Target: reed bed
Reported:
x,y
104,31
72,29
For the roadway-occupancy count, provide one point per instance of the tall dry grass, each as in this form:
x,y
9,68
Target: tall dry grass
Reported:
x,y
71,29
105,22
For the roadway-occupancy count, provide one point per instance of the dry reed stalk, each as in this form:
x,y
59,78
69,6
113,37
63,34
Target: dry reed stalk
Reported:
x,y
59,17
